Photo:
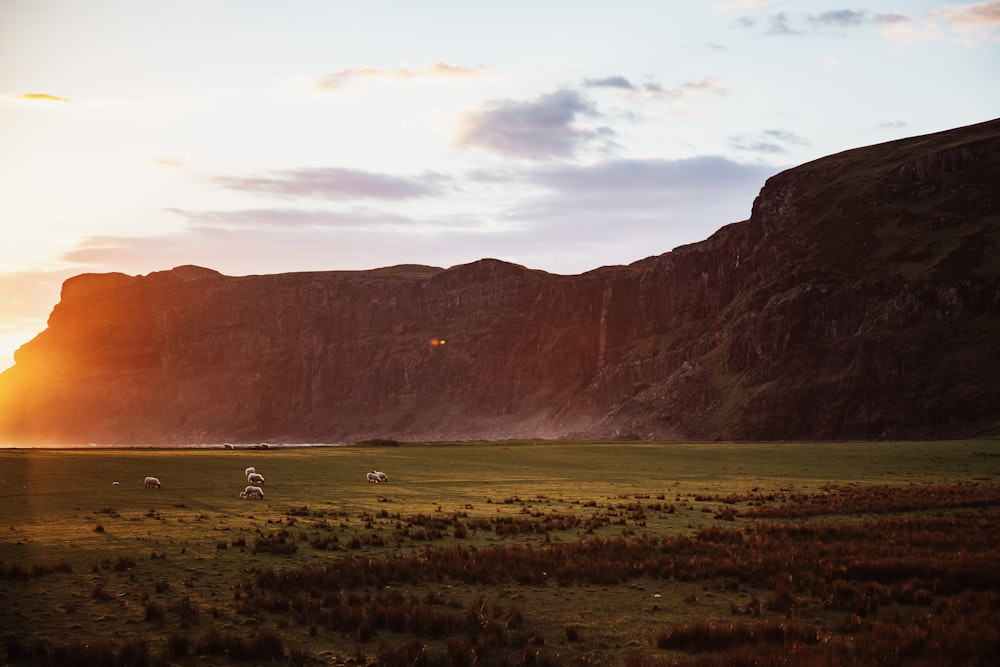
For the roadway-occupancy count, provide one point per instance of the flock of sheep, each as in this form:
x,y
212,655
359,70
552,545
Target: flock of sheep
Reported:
x,y
255,479
377,477
253,491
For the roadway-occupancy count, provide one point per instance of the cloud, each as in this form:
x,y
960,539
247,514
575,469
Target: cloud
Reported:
x,y
170,163
891,19
980,14
611,82
610,210
653,176
975,23
287,218
767,142
901,28
542,128
840,18
344,77
44,97
695,87
559,217
778,25
333,183
277,248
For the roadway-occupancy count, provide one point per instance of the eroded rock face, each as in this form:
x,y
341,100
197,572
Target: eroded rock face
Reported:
x,y
860,300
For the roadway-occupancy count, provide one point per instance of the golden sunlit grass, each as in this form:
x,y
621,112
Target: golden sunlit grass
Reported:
x,y
501,553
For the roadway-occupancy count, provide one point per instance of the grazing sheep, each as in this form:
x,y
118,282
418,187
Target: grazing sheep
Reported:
x,y
114,483
373,477
151,482
251,470
255,478
252,492
382,477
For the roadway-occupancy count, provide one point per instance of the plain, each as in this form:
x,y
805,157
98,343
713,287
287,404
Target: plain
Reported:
x,y
330,568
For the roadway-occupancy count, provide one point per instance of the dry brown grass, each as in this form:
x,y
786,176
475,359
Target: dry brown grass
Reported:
x,y
595,568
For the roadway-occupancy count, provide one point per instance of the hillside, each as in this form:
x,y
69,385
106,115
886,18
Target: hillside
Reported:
x,y
861,300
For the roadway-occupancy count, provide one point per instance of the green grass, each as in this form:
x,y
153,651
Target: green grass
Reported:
x,y
127,564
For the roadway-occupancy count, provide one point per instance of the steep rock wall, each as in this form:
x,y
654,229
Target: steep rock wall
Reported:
x,y
860,300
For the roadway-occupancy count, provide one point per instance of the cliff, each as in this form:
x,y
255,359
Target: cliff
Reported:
x,y
861,300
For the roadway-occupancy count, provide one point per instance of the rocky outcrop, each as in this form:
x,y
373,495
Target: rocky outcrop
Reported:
x,y
861,300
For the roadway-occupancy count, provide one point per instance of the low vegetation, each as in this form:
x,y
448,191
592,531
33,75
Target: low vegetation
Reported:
x,y
520,553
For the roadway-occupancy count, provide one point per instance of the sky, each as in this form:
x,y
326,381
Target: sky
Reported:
x,y
257,137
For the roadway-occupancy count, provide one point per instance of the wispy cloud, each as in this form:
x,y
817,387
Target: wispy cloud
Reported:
x,y
542,128
898,27
627,177
170,162
778,24
656,204
290,218
344,77
840,18
979,14
975,23
701,86
768,142
891,19
333,183
43,97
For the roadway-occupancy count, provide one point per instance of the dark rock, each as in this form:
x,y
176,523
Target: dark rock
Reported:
x,y
860,300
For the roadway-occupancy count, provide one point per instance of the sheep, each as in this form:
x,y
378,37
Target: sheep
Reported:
x,y
114,483
373,477
252,492
255,478
382,477
251,470
151,482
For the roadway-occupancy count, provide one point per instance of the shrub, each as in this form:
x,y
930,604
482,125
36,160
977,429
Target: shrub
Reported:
x,y
124,563
267,645
178,646
154,612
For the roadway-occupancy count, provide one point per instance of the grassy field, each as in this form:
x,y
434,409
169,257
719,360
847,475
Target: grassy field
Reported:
x,y
504,553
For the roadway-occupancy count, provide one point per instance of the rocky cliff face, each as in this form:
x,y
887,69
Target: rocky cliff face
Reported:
x,y
860,300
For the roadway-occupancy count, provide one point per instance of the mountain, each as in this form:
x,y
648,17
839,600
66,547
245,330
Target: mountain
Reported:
x,y
860,300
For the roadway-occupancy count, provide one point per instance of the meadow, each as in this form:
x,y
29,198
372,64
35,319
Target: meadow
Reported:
x,y
560,553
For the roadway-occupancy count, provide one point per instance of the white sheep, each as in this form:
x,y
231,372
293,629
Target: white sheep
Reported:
x,y
252,492
382,477
373,477
249,471
114,483
255,478
151,482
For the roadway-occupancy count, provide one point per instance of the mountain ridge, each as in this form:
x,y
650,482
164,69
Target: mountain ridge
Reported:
x,y
860,300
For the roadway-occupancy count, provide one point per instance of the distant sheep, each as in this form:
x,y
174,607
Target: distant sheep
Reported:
x,y
151,482
382,477
252,493
373,477
255,478
114,483
249,471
